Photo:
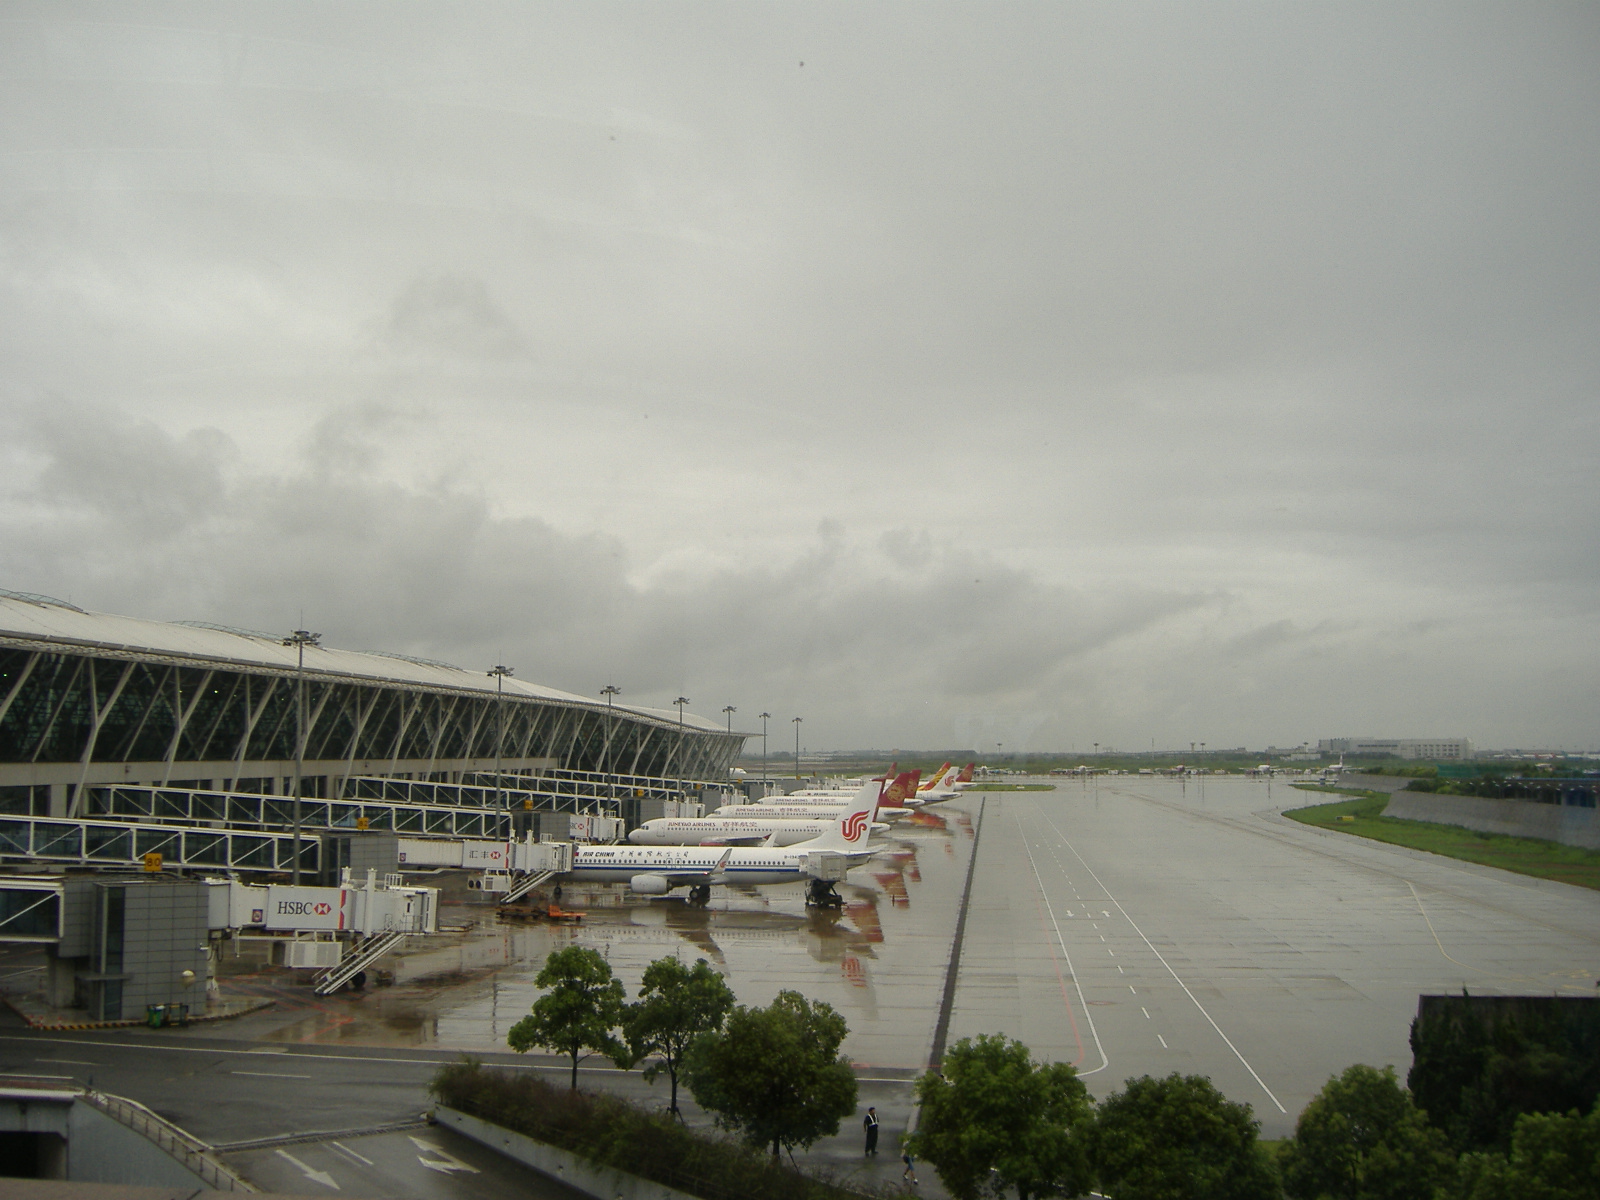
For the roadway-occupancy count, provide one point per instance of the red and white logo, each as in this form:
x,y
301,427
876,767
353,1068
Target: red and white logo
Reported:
x,y
322,908
855,825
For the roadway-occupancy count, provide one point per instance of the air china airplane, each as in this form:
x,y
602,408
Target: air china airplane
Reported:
x,y
652,871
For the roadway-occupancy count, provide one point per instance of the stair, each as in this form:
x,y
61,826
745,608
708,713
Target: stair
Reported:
x,y
525,885
362,955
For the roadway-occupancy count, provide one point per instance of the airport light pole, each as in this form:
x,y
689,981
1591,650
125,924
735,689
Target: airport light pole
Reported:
x,y
797,721
730,710
765,717
610,691
299,639
499,672
680,702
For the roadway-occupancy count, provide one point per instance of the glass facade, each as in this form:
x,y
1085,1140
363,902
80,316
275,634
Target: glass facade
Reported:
x,y
68,707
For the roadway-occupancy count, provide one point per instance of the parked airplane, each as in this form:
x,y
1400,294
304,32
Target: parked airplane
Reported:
x,y
733,831
653,871
818,808
942,786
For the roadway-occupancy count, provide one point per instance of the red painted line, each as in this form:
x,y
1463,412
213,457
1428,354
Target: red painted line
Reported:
x,y
1066,1000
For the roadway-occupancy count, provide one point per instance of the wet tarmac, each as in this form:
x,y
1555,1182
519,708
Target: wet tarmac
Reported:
x,y
1126,925
1147,926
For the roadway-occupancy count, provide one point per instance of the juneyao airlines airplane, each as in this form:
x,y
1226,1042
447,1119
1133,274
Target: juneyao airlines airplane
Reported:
x,y
733,831
653,871
824,809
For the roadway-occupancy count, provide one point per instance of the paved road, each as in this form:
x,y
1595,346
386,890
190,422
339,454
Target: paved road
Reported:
x,y
314,1107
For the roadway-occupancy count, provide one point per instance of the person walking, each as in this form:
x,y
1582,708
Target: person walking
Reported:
x,y
909,1175
870,1124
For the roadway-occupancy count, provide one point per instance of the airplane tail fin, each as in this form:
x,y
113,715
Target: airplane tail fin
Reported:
x,y
966,773
903,785
850,830
934,778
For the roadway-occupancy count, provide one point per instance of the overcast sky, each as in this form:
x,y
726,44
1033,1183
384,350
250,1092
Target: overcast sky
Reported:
x,y
946,375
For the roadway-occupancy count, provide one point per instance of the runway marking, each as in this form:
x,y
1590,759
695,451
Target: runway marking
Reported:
x,y
1162,958
271,1075
1163,1042
1145,1011
1066,1002
1087,1015
343,1149
75,1062
1442,950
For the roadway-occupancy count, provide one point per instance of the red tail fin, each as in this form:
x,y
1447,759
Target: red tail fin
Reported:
x,y
935,777
966,773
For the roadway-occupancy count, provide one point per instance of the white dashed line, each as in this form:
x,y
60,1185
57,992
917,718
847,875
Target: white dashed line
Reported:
x,y
1151,946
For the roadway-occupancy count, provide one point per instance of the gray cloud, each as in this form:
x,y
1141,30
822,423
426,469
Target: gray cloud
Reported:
x,y
1177,371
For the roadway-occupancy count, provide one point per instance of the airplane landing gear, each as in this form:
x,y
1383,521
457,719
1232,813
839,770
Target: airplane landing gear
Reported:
x,y
700,894
820,893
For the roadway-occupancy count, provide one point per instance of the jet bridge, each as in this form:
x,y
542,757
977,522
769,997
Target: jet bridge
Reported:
x,y
116,944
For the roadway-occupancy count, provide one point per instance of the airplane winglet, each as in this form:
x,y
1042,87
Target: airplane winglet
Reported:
x,y
715,875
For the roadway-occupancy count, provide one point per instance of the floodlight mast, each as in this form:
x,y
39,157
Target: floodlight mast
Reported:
x,y
610,691
765,717
797,721
680,702
299,639
499,672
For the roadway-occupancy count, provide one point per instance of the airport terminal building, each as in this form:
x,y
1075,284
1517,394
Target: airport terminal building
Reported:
x,y
110,721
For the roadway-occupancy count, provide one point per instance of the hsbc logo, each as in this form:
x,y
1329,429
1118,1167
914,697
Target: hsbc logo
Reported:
x,y
304,908
854,826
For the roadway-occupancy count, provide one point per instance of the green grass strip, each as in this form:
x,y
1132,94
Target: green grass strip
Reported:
x,y
1525,856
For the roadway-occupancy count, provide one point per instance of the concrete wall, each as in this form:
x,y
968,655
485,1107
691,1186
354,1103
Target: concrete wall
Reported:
x,y
1567,824
603,1183
99,1149
167,928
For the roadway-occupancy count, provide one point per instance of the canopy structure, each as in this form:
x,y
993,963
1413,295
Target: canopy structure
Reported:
x,y
92,698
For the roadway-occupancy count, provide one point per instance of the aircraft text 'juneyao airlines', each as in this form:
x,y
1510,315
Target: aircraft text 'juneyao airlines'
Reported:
x,y
733,831
894,795
654,871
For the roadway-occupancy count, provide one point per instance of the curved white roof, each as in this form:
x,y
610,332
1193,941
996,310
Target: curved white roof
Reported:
x,y
29,618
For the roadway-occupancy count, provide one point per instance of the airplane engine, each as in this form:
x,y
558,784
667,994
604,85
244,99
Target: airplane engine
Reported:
x,y
650,885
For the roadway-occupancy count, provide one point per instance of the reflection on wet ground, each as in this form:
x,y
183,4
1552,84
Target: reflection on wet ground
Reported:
x,y
879,959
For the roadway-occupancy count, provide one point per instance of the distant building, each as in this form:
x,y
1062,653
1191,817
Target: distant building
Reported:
x,y
1439,749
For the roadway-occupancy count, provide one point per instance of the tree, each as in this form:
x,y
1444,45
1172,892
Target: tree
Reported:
x,y
774,1074
995,1119
1553,1157
676,1005
1362,1138
1178,1138
1479,1062
578,1013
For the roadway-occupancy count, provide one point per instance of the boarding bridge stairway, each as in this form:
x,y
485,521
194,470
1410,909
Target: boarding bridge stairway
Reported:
x,y
362,955
525,885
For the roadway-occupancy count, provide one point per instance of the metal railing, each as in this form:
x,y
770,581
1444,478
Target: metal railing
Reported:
x,y
361,955
185,1147
124,843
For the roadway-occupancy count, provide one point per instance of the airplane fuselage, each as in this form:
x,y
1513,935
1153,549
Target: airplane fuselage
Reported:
x,y
685,866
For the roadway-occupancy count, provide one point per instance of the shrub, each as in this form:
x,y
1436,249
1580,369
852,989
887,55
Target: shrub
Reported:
x,y
609,1131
